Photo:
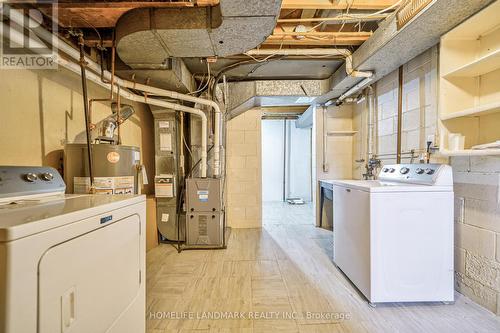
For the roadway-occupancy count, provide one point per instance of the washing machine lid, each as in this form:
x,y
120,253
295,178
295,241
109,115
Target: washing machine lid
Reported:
x,y
384,186
26,217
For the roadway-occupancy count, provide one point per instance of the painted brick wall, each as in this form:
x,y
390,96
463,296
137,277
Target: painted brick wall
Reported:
x,y
243,182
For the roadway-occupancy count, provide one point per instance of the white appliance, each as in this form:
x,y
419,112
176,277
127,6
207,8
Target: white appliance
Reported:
x,y
69,263
393,237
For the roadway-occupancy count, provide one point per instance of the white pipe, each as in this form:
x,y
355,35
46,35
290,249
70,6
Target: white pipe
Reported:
x,y
151,101
370,122
299,52
73,53
354,89
347,54
17,37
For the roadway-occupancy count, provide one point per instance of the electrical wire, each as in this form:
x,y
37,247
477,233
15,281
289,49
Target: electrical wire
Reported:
x,y
206,85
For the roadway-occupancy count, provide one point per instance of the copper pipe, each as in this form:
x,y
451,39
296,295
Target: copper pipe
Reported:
x,y
111,82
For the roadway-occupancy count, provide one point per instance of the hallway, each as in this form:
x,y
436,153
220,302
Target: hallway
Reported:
x,y
274,271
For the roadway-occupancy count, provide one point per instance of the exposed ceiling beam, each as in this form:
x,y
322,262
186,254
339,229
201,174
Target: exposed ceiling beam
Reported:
x,y
331,34
330,40
105,14
337,4
131,4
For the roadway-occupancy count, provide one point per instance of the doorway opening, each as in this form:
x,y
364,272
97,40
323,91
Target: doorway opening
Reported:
x,y
286,171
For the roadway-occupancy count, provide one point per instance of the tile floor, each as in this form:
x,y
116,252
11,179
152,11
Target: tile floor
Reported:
x,y
281,279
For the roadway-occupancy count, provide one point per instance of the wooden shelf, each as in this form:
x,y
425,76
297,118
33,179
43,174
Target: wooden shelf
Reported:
x,y
474,112
485,64
469,152
341,133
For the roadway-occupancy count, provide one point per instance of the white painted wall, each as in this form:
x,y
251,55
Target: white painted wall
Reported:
x,y
299,162
273,160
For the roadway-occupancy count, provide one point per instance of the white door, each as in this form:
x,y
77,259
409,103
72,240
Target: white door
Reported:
x,y
87,282
351,235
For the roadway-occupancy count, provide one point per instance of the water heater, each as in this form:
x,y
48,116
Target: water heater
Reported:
x,y
115,168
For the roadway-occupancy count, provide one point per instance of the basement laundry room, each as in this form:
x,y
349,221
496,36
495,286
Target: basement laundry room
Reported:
x,y
220,166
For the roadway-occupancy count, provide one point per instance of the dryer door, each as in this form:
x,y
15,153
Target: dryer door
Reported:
x,y
87,282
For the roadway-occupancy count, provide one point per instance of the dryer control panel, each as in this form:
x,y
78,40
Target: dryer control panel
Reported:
x,y
20,181
427,174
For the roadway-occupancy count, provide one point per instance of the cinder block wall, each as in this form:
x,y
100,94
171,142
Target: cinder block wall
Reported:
x,y
477,197
419,106
477,229
244,179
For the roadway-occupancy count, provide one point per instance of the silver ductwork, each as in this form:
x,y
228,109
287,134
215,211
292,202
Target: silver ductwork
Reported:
x,y
150,36
271,93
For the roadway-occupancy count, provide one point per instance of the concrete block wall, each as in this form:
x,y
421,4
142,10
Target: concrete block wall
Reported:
x,y
419,105
244,167
477,229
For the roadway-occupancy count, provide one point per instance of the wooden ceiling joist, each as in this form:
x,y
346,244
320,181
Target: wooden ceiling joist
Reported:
x,y
339,19
105,14
337,4
324,40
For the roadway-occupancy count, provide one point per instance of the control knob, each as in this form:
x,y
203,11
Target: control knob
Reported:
x,y
47,176
392,170
419,171
404,170
429,171
385,170
30,177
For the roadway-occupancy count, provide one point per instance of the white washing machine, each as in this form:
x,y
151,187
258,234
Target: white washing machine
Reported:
x,y
393,237
69,263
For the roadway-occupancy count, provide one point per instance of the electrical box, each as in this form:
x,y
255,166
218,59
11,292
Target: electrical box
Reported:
x,y
205,215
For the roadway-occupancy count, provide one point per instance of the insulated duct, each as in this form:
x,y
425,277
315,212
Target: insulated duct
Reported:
x,y
390,47
153,35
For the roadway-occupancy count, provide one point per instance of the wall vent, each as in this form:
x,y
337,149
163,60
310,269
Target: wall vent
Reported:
x,y
409,10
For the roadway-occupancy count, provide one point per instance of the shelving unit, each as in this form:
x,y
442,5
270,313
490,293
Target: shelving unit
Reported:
x,y
341,133
470,83
485,64
469,152
478,111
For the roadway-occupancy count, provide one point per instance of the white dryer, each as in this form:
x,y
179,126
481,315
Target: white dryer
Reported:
x,y
69,263
393,237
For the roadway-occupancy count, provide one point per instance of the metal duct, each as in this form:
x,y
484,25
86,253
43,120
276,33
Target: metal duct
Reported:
x,y
251,94
152,35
